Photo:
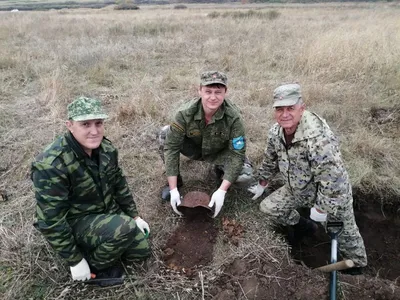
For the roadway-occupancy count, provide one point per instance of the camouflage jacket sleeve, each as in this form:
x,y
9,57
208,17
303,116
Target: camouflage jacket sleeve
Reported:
x,y
123,195
330,175
269,167
173,144
51,186
236,156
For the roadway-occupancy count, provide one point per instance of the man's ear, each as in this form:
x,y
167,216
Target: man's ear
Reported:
x,y
199,90
68,123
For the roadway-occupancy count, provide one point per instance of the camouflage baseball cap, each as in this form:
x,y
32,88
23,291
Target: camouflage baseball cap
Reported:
x,y
287,95
213,77
84,108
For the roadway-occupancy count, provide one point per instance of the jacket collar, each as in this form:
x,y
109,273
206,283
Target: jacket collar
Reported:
x,y
75,146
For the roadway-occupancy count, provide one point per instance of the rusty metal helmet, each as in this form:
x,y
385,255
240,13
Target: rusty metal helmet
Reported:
x,y
195,199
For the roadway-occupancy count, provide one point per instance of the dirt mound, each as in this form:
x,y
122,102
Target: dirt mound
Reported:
x,y
192,243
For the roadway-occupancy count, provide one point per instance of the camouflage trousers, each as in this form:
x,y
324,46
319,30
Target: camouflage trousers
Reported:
x,y
105,238
281,207
192,151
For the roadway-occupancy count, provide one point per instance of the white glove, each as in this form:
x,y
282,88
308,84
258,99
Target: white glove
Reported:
x,y
317,216
257,190
175,200
217,198
81,271
142,225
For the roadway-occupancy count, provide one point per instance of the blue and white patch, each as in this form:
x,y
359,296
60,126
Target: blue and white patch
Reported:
x,y
238,143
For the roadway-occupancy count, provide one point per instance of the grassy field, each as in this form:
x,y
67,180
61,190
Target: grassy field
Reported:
x,y
142,65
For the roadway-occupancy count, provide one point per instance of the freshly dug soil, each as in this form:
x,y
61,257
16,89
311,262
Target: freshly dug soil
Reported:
x,y
191,245
248,279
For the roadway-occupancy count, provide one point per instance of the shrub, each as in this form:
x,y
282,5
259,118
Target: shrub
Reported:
x,y
126,6
180,6
213,15
273,14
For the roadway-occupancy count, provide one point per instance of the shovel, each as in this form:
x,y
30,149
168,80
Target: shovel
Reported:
x,y
334,230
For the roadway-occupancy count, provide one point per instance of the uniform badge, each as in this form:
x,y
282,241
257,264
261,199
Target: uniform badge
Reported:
x,y
238,143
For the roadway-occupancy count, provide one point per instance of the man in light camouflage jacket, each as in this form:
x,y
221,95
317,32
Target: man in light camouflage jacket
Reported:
x,y
85,209
208,128
302,147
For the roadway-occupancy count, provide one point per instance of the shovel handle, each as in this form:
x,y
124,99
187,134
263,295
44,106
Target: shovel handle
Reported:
x,y
341,265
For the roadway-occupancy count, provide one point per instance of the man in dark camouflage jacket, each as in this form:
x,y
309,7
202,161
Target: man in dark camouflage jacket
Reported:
x,y
302,147
85,209
207,128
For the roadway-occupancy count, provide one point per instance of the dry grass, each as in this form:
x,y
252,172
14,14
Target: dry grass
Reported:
x,y
143,64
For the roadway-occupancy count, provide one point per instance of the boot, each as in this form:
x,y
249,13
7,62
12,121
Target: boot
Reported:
x,y
304,228
165,195
353,271
108,277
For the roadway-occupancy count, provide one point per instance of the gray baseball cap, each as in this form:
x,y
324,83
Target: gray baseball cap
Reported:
x,y
287,95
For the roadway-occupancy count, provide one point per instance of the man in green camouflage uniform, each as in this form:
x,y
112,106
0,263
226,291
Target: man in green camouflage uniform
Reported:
x,y
85,209
207,128
302,147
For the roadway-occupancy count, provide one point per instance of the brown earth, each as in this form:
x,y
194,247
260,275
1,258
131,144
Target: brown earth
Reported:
x,y
191,245
251,278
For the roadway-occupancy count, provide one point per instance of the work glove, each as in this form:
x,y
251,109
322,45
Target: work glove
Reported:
x,y
175,200
217,198
142,225
257,190
81,271
317,215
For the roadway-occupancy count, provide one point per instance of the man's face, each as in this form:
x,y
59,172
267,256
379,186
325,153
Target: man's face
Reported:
x,y
288,117
212,97
89,134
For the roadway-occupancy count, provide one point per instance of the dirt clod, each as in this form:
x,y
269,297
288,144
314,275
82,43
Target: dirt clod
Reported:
x,y
232,230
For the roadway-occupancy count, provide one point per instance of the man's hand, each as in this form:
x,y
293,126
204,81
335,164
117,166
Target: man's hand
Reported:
x,y
81,271
175,200
217,198
142,225
317,215
257,190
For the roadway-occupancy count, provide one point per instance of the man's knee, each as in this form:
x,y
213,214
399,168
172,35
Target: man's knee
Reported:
x,y
123,227
141,246
268,207
138,250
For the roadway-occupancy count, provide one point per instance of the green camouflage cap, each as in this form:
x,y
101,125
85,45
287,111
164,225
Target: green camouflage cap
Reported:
x,y
84,108
213,77
287,95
